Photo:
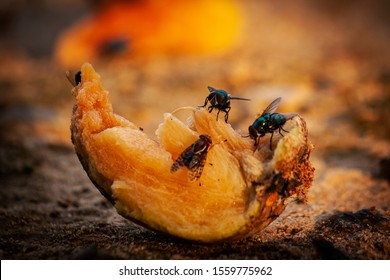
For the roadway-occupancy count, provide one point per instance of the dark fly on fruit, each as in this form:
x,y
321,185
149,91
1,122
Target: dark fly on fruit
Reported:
x,y
220,100
194,157
269,122
74,79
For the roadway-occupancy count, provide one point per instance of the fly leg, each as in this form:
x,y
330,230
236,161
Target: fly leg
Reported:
x,y
226,114
205,102
272,134
219,110
270,141
281,128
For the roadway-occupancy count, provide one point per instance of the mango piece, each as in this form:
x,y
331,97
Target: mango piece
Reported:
x,y
239,193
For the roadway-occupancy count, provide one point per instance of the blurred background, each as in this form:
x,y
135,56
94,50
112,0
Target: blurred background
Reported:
x,y
328,60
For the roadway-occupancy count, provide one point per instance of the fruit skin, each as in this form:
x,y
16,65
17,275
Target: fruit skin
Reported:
x,y
240,191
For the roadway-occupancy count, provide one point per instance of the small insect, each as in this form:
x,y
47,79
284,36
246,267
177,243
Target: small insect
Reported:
x,y
194,157
114,46
73,79
269,122
220,100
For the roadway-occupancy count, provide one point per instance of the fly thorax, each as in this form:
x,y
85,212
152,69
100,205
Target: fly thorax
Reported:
x,y
261,124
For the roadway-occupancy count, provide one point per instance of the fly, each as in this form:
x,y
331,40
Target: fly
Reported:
x,y
194,157
269,122
74,79
220,100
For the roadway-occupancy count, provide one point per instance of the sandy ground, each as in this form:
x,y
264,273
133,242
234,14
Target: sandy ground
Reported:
x,y
329,62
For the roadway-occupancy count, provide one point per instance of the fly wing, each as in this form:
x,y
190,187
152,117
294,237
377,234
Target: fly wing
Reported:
x,y
211,89
177,164
238,98
194,175
196,168
182,159
273,106
290,116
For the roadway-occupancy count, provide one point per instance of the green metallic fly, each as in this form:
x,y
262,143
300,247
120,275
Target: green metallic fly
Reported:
x,y
269,122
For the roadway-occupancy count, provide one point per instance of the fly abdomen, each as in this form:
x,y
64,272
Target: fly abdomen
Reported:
x,y
276,121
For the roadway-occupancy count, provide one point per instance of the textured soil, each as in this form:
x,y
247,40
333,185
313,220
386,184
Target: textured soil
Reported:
x,y
328,61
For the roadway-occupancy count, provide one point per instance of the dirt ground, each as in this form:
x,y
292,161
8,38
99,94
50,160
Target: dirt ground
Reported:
x,y
329,61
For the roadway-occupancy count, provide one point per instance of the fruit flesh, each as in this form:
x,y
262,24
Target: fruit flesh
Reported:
x,y
230,200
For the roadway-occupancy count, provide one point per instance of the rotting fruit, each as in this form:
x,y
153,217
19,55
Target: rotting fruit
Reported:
x,y
239,193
